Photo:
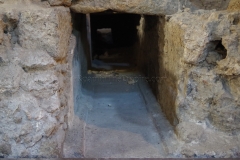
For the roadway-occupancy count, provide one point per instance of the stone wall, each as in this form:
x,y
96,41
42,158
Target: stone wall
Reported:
x,y
149,7
169,61
34,80
200,93
148,50
193,53
82,95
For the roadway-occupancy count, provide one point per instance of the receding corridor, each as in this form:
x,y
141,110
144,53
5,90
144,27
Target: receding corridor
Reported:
x,y
118,121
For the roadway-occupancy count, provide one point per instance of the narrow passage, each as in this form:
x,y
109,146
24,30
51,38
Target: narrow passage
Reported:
x,y
118,123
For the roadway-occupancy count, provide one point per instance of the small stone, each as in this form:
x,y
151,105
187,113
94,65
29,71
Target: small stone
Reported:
x,y
25,154
190,132
49,149
213,57
27,139
188,153
18,118
17,139
27,128
65,126
5,149
5,138
10,76
42,84
49,128
51,104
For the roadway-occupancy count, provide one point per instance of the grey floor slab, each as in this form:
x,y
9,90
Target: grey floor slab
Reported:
x,y
119,125
115,121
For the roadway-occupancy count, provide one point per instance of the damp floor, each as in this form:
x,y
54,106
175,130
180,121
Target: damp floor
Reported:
x,y
116,121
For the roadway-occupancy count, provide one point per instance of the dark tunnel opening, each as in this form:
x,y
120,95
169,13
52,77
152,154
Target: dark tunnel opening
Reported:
x,y
112,41
113,38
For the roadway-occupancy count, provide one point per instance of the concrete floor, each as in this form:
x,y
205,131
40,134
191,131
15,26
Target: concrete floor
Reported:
x,y
119,122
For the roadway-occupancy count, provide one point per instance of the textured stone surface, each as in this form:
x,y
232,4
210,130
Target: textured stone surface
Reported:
x,y
5,149
41,83
60,2
10,76
152,7
33,87
200,85
209,4
191,133
149,26
45,29
2,26
234,5
133,6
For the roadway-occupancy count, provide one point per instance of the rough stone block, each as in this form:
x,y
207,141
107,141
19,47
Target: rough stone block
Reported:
x,y
41,84
34,59
10,76
48,29
60,2
210,4
133,6
51,104
26,129
23,103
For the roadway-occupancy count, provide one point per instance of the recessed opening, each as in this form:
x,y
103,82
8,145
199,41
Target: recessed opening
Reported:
x,y
220,49
236,21
216,52
113,36
116,55
113,41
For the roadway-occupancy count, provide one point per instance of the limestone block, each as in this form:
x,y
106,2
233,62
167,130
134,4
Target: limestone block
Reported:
x,y
195,44
228,66
48,128
2,26
34,59
60,2
51,104
4,48
26,103
41,84
234,5
46,28
226,115
128,6
10,76
165,7
225,110
210,4
207,89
